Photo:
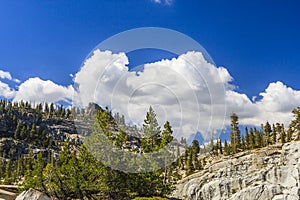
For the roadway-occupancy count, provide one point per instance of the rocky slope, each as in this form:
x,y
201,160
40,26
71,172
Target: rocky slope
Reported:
x,y
269,173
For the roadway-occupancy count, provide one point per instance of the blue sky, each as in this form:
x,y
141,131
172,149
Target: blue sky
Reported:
x,y
256,41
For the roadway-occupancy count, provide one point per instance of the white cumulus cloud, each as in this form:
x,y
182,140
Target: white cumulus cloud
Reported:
x,y
5,75
187,91
191,93
6,91
38,91
279,98
276,105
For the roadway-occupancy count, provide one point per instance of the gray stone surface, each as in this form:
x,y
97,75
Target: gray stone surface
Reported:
x,y
269,173
32,194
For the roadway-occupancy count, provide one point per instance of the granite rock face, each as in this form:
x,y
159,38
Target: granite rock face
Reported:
x,y
269,173
32,194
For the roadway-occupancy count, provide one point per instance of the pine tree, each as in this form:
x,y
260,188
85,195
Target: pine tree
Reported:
x,y
46,109
20,167
195,150
252,139
283,137
35,178
51,110
235,137
295,123
8,172
243,144
69,113
190,166
2,166
268,130
212,146
258,140
262,136
91,176
106,122
78,175
152,132
63,113
289,135
17,133
121,138
23,133
14,121
226,148
32,133
247,138
274,135
220,146
39,108
166,135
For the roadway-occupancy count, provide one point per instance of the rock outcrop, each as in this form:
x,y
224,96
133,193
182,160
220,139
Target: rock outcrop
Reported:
x,y
269,173
32,194
6,195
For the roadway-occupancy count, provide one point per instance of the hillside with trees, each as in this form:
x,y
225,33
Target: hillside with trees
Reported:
x,y
41,148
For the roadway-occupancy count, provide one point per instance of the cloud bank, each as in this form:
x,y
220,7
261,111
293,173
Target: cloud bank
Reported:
x,y
187,91
191,93
6,91
7,75
194,95
34,90
38,91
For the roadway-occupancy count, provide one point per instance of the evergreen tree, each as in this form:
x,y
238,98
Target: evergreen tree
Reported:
x,y
166,135
243,144
220,146
152,132
268,130
252,139
91,175
106,123
283,137
289,135
235,137
274,135
17,134
226,148
35,178
32,133
8,172
23,133
68,114
258,138
2,166
195,148
63,113
46,109
295,123
121,138
247,138
51,110
39,108
190,166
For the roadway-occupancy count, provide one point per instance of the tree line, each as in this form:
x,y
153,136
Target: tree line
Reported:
x,y
77,173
